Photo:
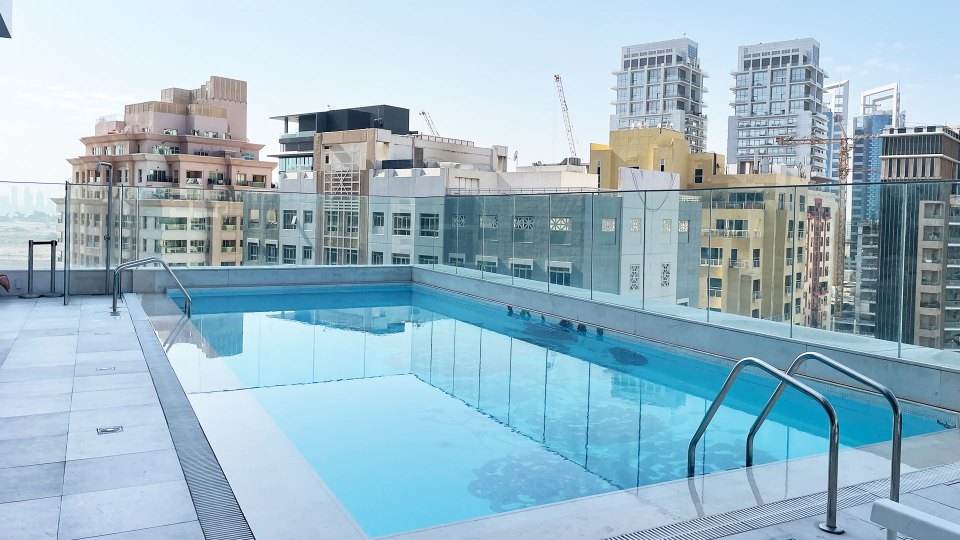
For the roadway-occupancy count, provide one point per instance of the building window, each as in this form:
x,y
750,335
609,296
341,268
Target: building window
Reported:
x,y
698,176
289,254
456,259
330,256
683,225
560,230
307,254
271,219
427,259
608,225
560,275
272,253
489,221
667,225
401,227
254,217
308,219
430,225
665,275
332,222
635,225
401,258
376,257
289,219
459,220
522,227
524,271
487,266
198,246
378,221
634,277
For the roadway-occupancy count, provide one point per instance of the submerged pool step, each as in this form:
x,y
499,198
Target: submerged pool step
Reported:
x,y
758,517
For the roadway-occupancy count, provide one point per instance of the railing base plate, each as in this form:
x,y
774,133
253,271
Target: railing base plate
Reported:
x,y
828,529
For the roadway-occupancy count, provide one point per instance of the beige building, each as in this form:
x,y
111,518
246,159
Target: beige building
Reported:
x,y
170,150
756,256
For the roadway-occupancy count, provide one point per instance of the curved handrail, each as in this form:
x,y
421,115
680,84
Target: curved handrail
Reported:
x,y
187,301
895,451
830,525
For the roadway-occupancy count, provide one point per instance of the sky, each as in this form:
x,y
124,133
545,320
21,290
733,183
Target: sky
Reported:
x,y
484,71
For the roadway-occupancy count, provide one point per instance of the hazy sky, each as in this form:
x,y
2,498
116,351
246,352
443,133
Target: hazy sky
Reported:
x,y
483,70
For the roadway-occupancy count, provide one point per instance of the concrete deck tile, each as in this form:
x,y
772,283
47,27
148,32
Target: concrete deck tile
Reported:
x,y
30,520
948,494
31,482
22,406
110,367
88,444
32,451
125,470
109,356
125,509
41,387
112,382
36,425
180,531
107,342
102,399
127,416
10,374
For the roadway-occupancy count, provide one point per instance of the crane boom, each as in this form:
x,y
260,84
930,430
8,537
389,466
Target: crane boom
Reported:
x,y
429,121
571,142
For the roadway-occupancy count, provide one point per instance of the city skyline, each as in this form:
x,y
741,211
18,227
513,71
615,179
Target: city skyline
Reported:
x,y
502,93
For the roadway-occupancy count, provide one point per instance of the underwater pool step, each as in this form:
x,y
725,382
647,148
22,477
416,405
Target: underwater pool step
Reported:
x,y
758,517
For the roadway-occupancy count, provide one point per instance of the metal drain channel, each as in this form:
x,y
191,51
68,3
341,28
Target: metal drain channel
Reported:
x,y
217,509
758,517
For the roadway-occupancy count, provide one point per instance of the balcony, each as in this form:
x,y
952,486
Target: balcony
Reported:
x,y
739,263
736,205
730,233
228,249
710,262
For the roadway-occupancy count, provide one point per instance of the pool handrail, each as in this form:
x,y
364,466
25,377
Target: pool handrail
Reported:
x,y
897,438
830,525
187,301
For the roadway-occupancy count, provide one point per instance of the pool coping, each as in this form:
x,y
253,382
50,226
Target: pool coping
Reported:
x,y
218,511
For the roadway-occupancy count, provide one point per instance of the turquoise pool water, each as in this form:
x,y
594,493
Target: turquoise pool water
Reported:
x,y
419,408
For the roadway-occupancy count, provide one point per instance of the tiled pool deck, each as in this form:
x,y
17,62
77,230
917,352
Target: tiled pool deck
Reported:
x,y
64,372
67,370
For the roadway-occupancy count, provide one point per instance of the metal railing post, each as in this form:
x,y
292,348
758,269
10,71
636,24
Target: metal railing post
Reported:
x,y
29,293
830,525
53,272
67,244
897,428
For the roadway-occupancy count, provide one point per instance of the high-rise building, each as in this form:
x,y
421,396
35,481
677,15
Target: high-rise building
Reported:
x,y
919,235
836,112
661,85
170,150
778,92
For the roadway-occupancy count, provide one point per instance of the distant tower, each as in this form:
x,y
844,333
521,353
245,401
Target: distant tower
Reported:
x,y
778,92
661,85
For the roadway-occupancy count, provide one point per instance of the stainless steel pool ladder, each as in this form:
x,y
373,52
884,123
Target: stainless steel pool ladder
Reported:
x,y
187,301
896,443
830,525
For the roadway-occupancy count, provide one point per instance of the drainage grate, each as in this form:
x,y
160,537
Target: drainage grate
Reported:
x,y
758,517
109,430
217,509
111,368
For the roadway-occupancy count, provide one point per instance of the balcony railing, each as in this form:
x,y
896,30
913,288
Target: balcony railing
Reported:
x,y
711,262
730,233
736,205
739,263
228,249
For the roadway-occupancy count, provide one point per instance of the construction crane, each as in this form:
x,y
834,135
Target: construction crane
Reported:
x,y
430,126
843,170
566,117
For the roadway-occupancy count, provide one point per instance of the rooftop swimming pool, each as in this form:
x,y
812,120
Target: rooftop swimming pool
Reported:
x,y
418,408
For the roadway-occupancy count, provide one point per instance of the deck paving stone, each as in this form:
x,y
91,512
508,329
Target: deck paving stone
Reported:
x,y
125,470
31,482
125,509
35,519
